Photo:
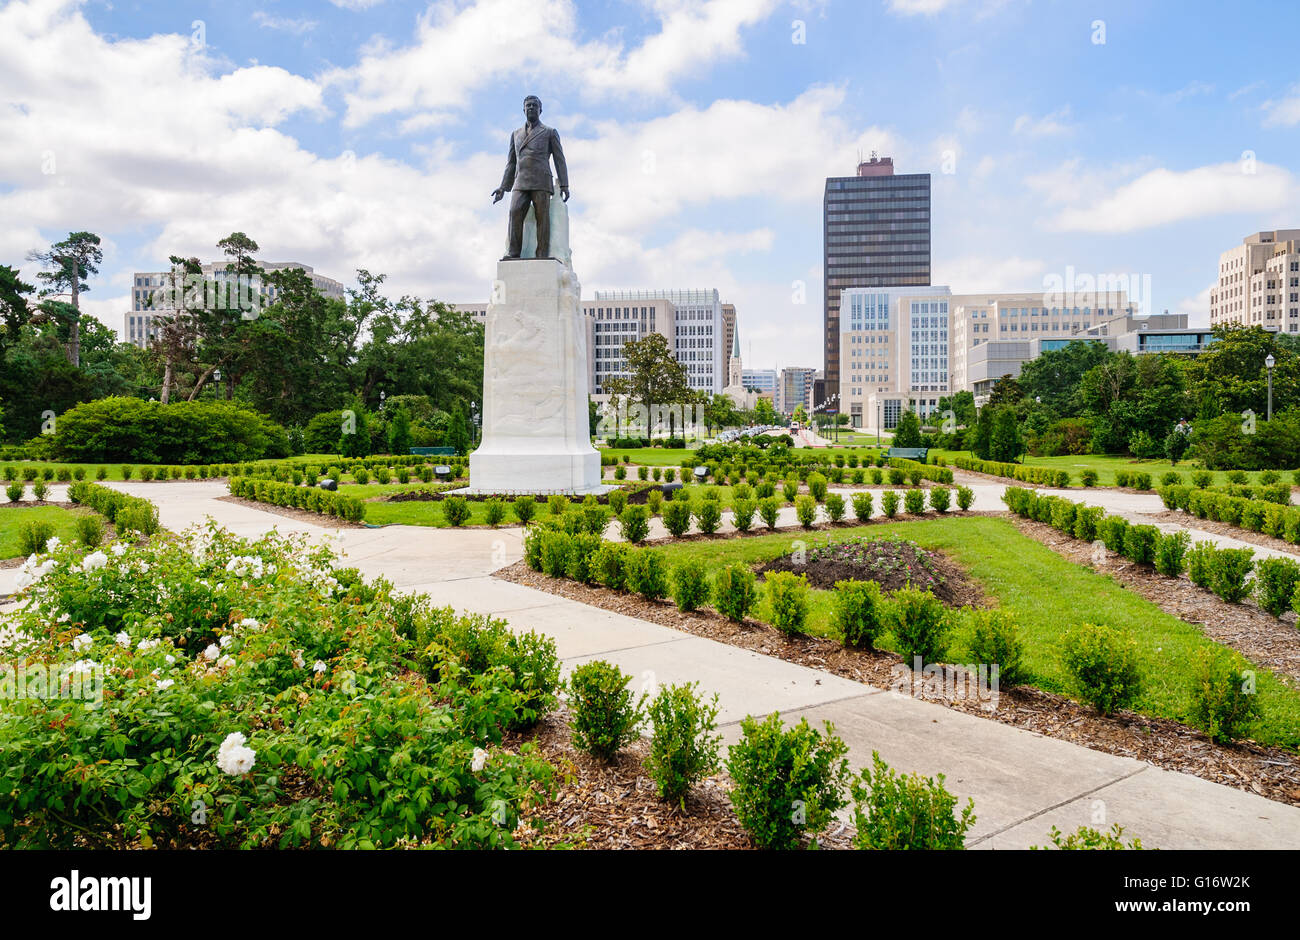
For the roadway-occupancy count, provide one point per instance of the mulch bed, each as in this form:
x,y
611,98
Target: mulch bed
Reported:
x,y
1222,528
302,515
1259,636
891,563
1268,771
615,805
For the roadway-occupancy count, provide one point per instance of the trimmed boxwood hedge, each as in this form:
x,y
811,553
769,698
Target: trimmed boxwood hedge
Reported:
x,y
309,498
1044,476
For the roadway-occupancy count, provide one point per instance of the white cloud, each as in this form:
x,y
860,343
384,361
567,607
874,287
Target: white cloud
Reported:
x,y
975,273
919,7
285,24
356,4
1161,196
459,49
1196,307
1050,125
1284,112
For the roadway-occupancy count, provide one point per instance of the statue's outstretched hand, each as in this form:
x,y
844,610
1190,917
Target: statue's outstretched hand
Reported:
x,y
496,195
564,193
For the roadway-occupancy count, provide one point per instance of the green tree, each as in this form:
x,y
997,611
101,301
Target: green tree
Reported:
x,y
1005,444
655,378
354,440
70,263
399,431
962,406
979,439
1230,374
908,431
1006,391
764,413
459,434
720,412
1054,376
14,310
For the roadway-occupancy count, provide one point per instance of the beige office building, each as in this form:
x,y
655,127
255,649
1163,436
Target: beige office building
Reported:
x,y
1259,283
906,348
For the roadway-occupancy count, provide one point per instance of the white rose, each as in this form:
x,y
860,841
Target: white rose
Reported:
x,y
85,641
164,684
94,561
479,760
211,652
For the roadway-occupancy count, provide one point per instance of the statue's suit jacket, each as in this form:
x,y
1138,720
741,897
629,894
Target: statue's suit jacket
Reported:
x,y
528,165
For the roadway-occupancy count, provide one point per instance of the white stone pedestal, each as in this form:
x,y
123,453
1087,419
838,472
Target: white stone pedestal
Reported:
x,y
535,421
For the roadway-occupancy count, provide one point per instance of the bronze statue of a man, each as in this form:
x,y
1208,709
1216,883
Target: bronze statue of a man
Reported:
x,y
528,174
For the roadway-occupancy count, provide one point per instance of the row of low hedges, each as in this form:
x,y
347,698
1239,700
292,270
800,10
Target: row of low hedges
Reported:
x,y
127,513
309,498
932,472
1044,476
130,429
1258,515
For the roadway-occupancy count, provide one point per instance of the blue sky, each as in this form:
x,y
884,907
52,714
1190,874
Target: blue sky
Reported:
x,y
369,133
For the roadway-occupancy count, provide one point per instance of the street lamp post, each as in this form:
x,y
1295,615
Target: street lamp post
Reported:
x,y
1268,364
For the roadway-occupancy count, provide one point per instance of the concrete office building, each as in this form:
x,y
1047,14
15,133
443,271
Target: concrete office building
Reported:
x,y
909,347
692,322
795,388
876,233
148,302
1259,283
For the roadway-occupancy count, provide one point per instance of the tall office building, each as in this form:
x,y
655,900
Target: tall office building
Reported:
x,y
149,292
1259,283
876,233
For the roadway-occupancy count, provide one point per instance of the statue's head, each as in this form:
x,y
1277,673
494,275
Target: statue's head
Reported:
x,y
532,107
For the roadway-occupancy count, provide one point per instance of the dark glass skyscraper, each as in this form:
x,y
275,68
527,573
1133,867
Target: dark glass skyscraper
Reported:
x,y
875,233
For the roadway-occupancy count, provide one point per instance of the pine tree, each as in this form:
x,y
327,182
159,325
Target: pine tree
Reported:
x,y
399,432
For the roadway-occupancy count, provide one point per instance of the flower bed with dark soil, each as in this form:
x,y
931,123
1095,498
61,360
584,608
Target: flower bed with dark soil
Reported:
x,y
615,805
1268,771
891,563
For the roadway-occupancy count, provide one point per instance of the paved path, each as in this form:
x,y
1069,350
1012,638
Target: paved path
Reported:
x,y
1022,783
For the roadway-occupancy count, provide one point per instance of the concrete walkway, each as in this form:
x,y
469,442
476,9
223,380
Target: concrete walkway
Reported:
x,y
1022,783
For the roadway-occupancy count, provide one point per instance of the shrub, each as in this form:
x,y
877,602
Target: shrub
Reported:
x,y
897,477
939,498
787,598
774,768
525,508
913,812
90,530
494,512
653,500
1063,514
1103,663
708,516
742,514
1171,553
734,593
862,506
1237,476
40,491
595,517
805,510
14,492
620,472
1202,479
1140,543
558,504
101,473
618,501
605,714
914,501
647,573
859,613
634,524
1122,477
1230,569
1172,478
769,509
994,638
455,509
683,746
580,557
643,472
690,584
965,497
1141,480
608,565
790,489
138,515
677,515
1275,584
1088,477
1224,701
1087,520
920,626
1089,839
817,486
889,503
1113,531
34,535
553,552
1200,564
119,428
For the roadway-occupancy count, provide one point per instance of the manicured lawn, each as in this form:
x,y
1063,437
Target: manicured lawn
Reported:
x,y
647,456
1107,465
13,518
1049,595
